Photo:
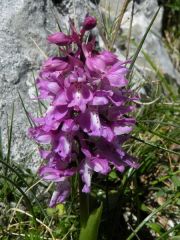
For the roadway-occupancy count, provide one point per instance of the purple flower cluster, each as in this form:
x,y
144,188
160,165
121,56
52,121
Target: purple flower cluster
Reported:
x,y
87,121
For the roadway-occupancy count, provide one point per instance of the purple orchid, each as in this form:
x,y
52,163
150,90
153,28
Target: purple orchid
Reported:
x,y
88,118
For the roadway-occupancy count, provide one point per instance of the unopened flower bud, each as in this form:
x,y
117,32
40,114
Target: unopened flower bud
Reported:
x,y
89,23
60,39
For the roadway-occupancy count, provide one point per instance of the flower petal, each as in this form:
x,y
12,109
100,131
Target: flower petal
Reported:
x,y
86,174
61,194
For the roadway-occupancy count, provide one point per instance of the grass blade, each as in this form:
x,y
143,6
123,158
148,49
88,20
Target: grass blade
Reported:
x,y
1,147
165,235
40,50
142,41
118,22
22,192
26,112
56,19
150,216
10,137
37,95
159,73
27,185
159,134
37,220
156,146
130,30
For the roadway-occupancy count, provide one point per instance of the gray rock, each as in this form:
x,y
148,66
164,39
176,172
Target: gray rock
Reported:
x,y
24,23
143,13
21,21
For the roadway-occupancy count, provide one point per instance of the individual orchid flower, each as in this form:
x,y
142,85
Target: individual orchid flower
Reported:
x,y
79,95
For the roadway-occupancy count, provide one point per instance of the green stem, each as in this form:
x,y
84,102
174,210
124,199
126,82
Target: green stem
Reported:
x,y
84,204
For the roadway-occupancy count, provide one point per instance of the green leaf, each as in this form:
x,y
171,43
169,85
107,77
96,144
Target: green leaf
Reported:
x,y
144,208
156,227
113,175
176,181
90,230
60,209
